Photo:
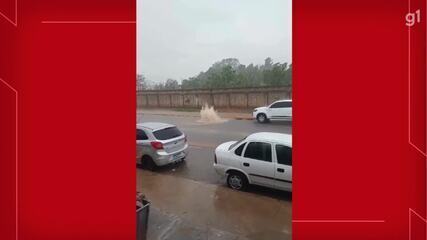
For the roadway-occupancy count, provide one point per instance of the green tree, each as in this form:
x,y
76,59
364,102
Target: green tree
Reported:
x,y
141,82
171,84
230,73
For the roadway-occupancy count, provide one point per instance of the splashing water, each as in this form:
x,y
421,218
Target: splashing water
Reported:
x,y
209,115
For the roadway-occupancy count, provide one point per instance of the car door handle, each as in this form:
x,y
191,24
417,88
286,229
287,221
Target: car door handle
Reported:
x,y
281,170
246,164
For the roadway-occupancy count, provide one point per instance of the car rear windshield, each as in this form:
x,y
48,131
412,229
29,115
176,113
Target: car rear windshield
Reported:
x,y
167,133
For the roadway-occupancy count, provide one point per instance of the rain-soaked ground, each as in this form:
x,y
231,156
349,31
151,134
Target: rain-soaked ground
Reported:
x,y
190,201
187,209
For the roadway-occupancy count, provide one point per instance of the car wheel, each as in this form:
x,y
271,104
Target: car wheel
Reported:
x,y
261,118
148,163
237,181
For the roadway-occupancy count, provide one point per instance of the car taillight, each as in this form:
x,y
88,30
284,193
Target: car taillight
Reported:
x,y
215,161
157,145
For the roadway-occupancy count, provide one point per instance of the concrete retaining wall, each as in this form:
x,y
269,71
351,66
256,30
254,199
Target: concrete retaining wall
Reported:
x,y
220,98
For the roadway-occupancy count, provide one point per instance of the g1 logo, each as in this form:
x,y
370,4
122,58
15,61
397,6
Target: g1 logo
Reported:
x,y
412,18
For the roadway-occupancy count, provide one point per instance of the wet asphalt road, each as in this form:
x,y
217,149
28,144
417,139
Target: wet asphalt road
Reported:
x,y
204,138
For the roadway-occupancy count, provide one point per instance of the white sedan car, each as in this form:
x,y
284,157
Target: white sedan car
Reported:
x,y
279,110
263,158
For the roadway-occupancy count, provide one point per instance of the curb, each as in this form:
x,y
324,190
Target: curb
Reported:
x,y
243,118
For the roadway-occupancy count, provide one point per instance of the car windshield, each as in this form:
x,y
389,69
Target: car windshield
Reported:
x,y
236,143
167,133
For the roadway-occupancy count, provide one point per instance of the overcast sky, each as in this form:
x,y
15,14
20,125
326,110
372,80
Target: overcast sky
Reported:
x,y
180,38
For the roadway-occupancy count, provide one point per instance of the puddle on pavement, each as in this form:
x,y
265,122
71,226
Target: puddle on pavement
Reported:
x,y
208,115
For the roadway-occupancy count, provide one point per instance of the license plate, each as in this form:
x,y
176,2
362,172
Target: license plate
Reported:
x,y
177,156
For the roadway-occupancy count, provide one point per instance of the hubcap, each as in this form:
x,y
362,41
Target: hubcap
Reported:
x,y
236,182
261,118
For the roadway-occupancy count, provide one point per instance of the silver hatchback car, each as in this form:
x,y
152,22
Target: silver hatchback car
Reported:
x,y
159,144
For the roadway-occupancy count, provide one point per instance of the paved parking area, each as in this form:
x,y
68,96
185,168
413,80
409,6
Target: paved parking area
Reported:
x,y
187,209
